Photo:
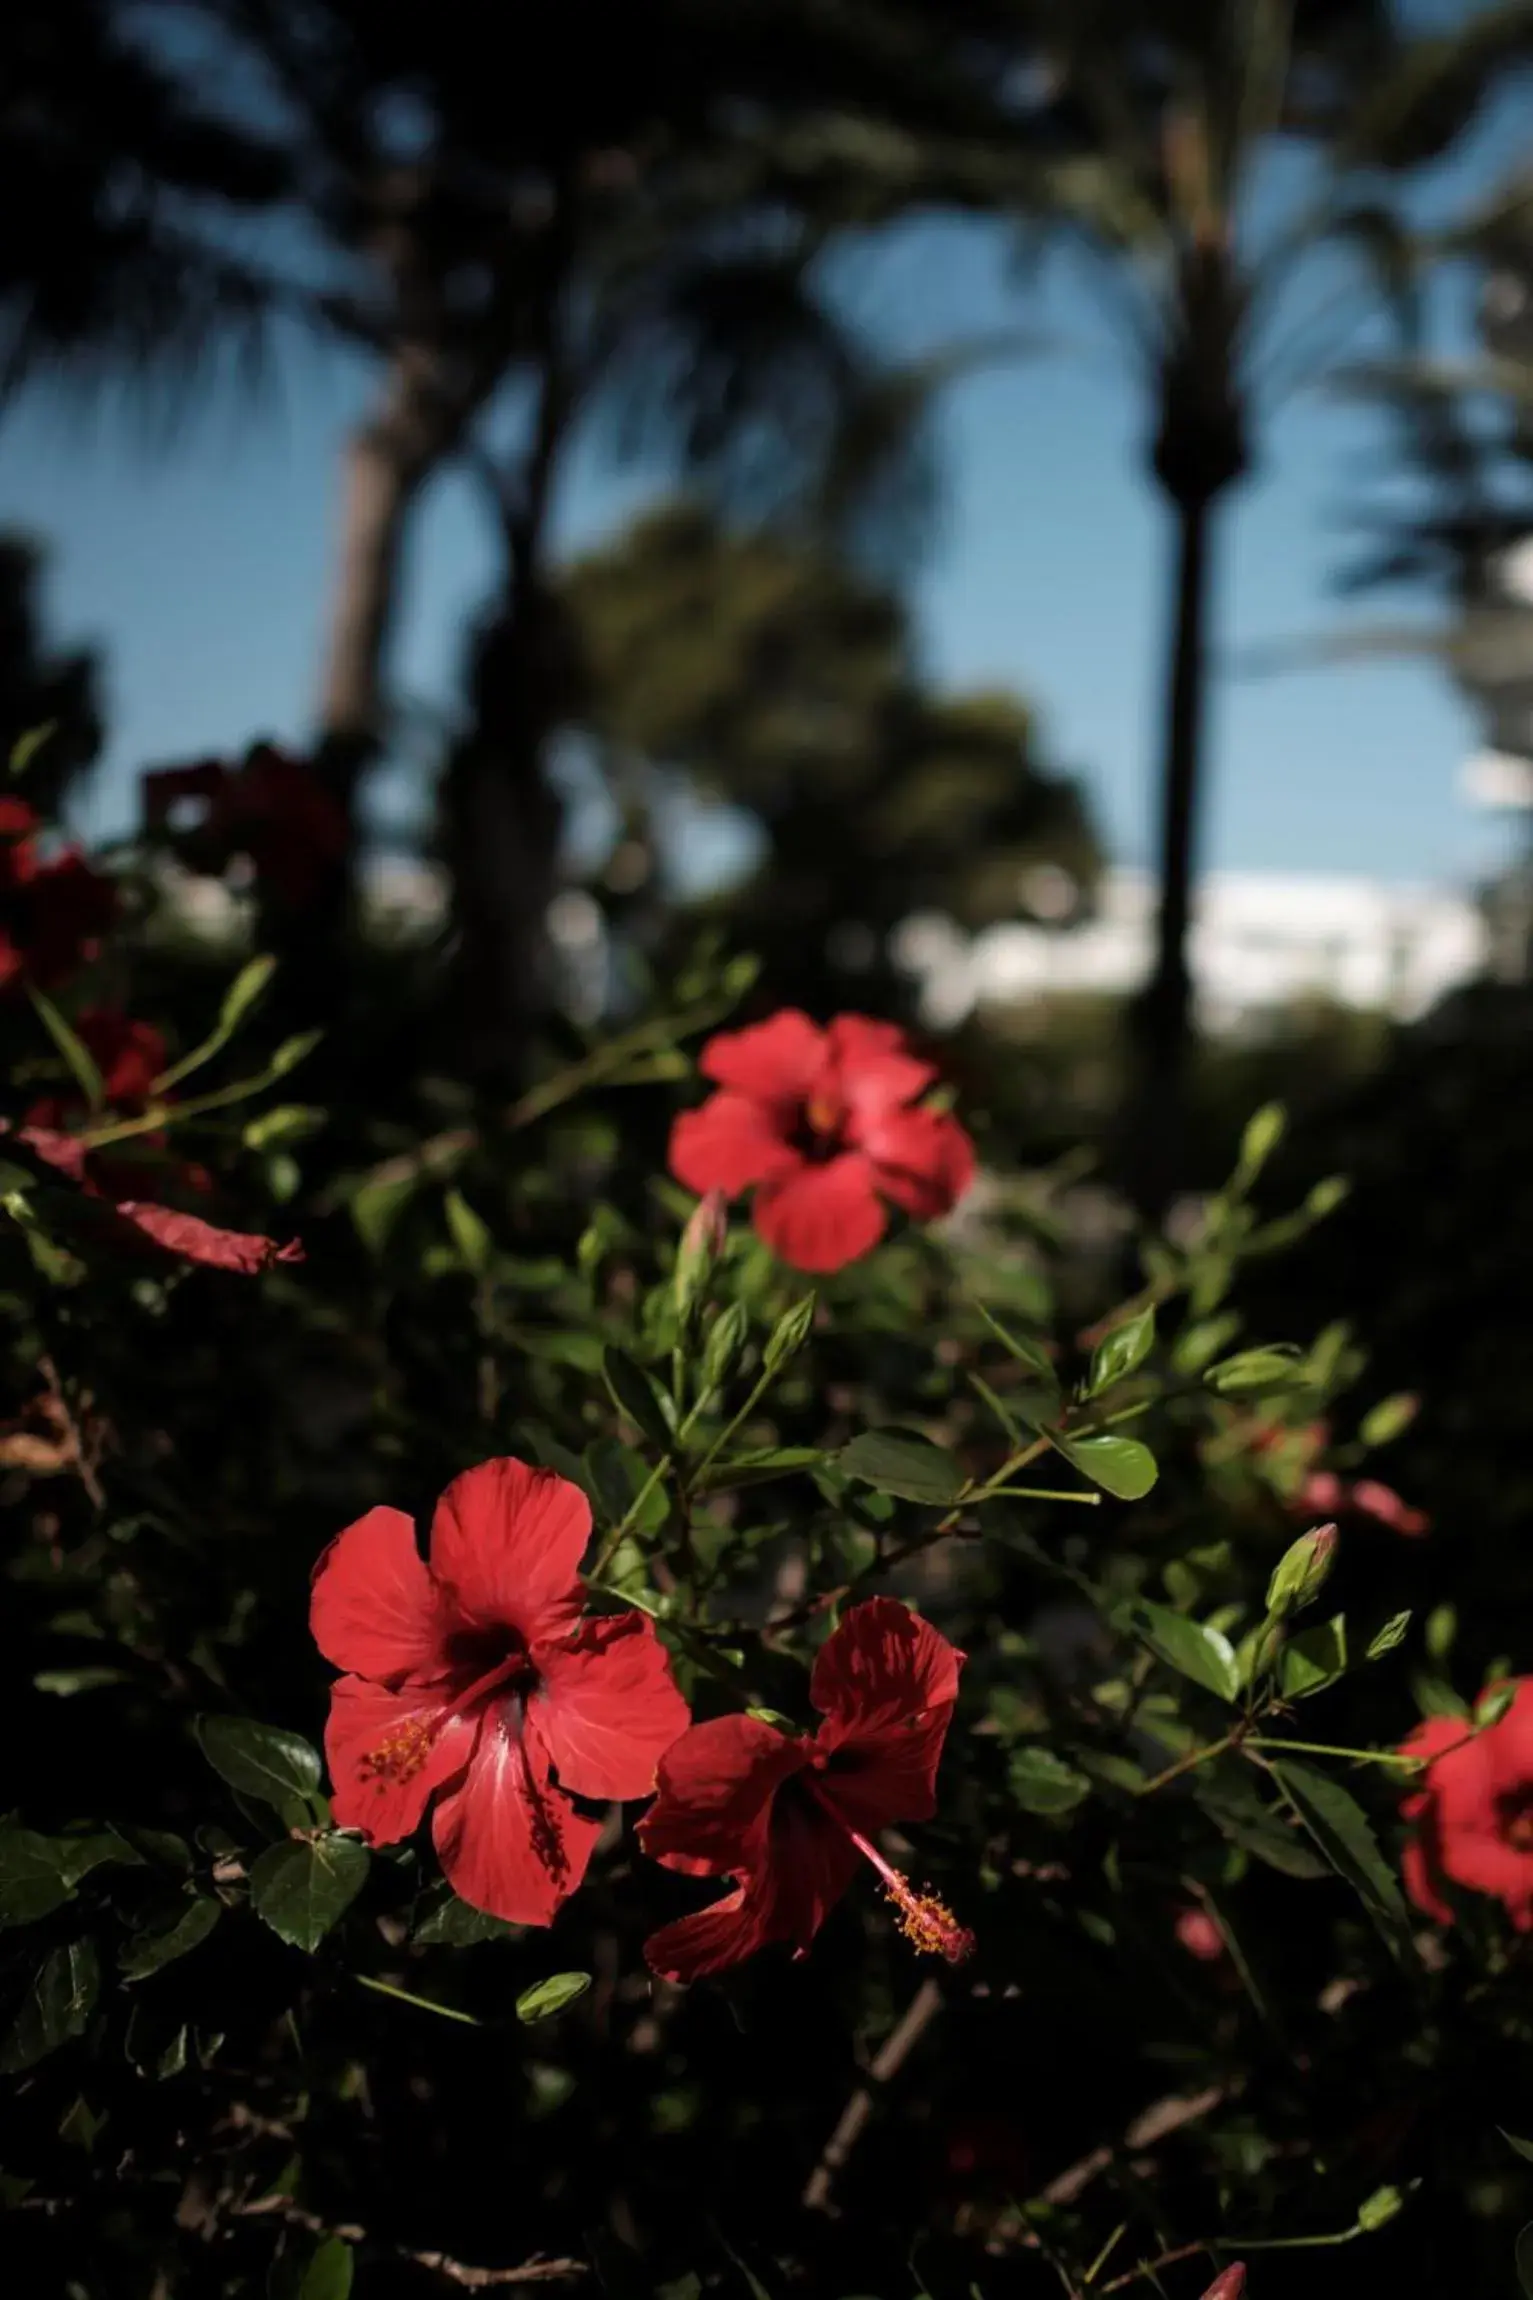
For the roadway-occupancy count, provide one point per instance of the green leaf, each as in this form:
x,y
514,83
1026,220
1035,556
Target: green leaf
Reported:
x,y
1387,1419
455,1924
82,1067
726,1338
57,2006
758,1468
26,747
1198,1345
634,1394
1233,1804
1263,1132
289,1122
1311,1662
1377,2210
39,1874
903,1463
1044,1783
1524,2259
309,2271
241,995
1023,1348
470,1235
1203,1654
1522,2148
1279,1366
150,1949
1344,1836
1392,1634
1440,1632
302,1888
260,1760
376,1206
547,1997
789,1335
1117,1354
1120,1466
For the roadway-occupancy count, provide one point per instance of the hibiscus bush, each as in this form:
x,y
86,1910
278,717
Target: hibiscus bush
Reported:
x,y
675,1689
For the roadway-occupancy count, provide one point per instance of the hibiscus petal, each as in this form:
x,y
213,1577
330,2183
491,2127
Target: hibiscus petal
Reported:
x,y
773,1061
386,1753
607,1707
729,1143
510,1843
200,1241
785,1895
716,1785
924,1159
507,1541
876,1070
375,1609
821,1217
887,1683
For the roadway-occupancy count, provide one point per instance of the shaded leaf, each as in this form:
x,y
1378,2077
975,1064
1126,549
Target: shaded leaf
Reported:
x,y
1044,1783
301,1889
38,1874
757,1468
1279,1366
1203,1654
634,1394
154,1947
900,1462
56,2007
1022,1347
262,1761
1392,1634
1344,1836
454,1924
1309,1663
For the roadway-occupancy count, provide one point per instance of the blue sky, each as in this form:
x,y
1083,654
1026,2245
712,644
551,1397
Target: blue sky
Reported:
x,y
202,566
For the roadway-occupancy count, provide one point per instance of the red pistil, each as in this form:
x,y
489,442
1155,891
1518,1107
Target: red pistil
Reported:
x,y
400,1755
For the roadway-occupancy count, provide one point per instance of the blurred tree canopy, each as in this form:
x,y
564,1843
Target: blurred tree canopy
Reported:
x,y
775,677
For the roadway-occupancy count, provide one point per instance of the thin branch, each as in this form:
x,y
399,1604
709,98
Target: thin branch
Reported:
x,y
460,2272
901,2042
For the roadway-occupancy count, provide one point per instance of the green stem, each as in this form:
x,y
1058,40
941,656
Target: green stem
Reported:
x,y
1354,1756
422,2004
1192,1760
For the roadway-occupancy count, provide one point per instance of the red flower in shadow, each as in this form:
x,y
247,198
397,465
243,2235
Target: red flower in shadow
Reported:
x,y
789,1816
129,1056
273,808
1472,1812
110,1182
824,1125
52,914
477,1680
1324,1494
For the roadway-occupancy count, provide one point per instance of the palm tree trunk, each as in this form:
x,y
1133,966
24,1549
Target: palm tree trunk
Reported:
x,y
1161,1033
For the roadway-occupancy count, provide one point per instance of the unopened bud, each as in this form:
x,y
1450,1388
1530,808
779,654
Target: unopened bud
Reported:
x,y
1302,1571
726,1339
702,1242
1378,2209
1229,2285
789,1334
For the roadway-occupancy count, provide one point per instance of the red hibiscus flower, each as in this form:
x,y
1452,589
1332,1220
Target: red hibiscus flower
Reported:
x,y
52,914
1472,1811
476,1679
272,808
789,1816
824,1124
128,1219
129,1056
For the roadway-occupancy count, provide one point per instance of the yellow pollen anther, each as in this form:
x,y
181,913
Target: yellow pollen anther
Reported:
x,y
929,1924
821,1114
400,1755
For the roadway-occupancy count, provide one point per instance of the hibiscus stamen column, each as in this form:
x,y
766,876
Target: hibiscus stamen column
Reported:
x,y
927,1923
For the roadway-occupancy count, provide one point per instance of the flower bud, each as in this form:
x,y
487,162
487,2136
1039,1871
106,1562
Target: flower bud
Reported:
x,y
1302,1571
1230,2285
702,1242
726,1339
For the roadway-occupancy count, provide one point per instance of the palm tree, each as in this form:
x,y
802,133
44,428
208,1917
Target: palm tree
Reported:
x,y
1161,114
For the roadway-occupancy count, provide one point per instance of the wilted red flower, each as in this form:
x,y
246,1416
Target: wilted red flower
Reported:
x,y
824,1124
52,914
477,1680
1472,1811
1199,1935
109,1182
273,808
129,1055
1230,2285
788,1816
